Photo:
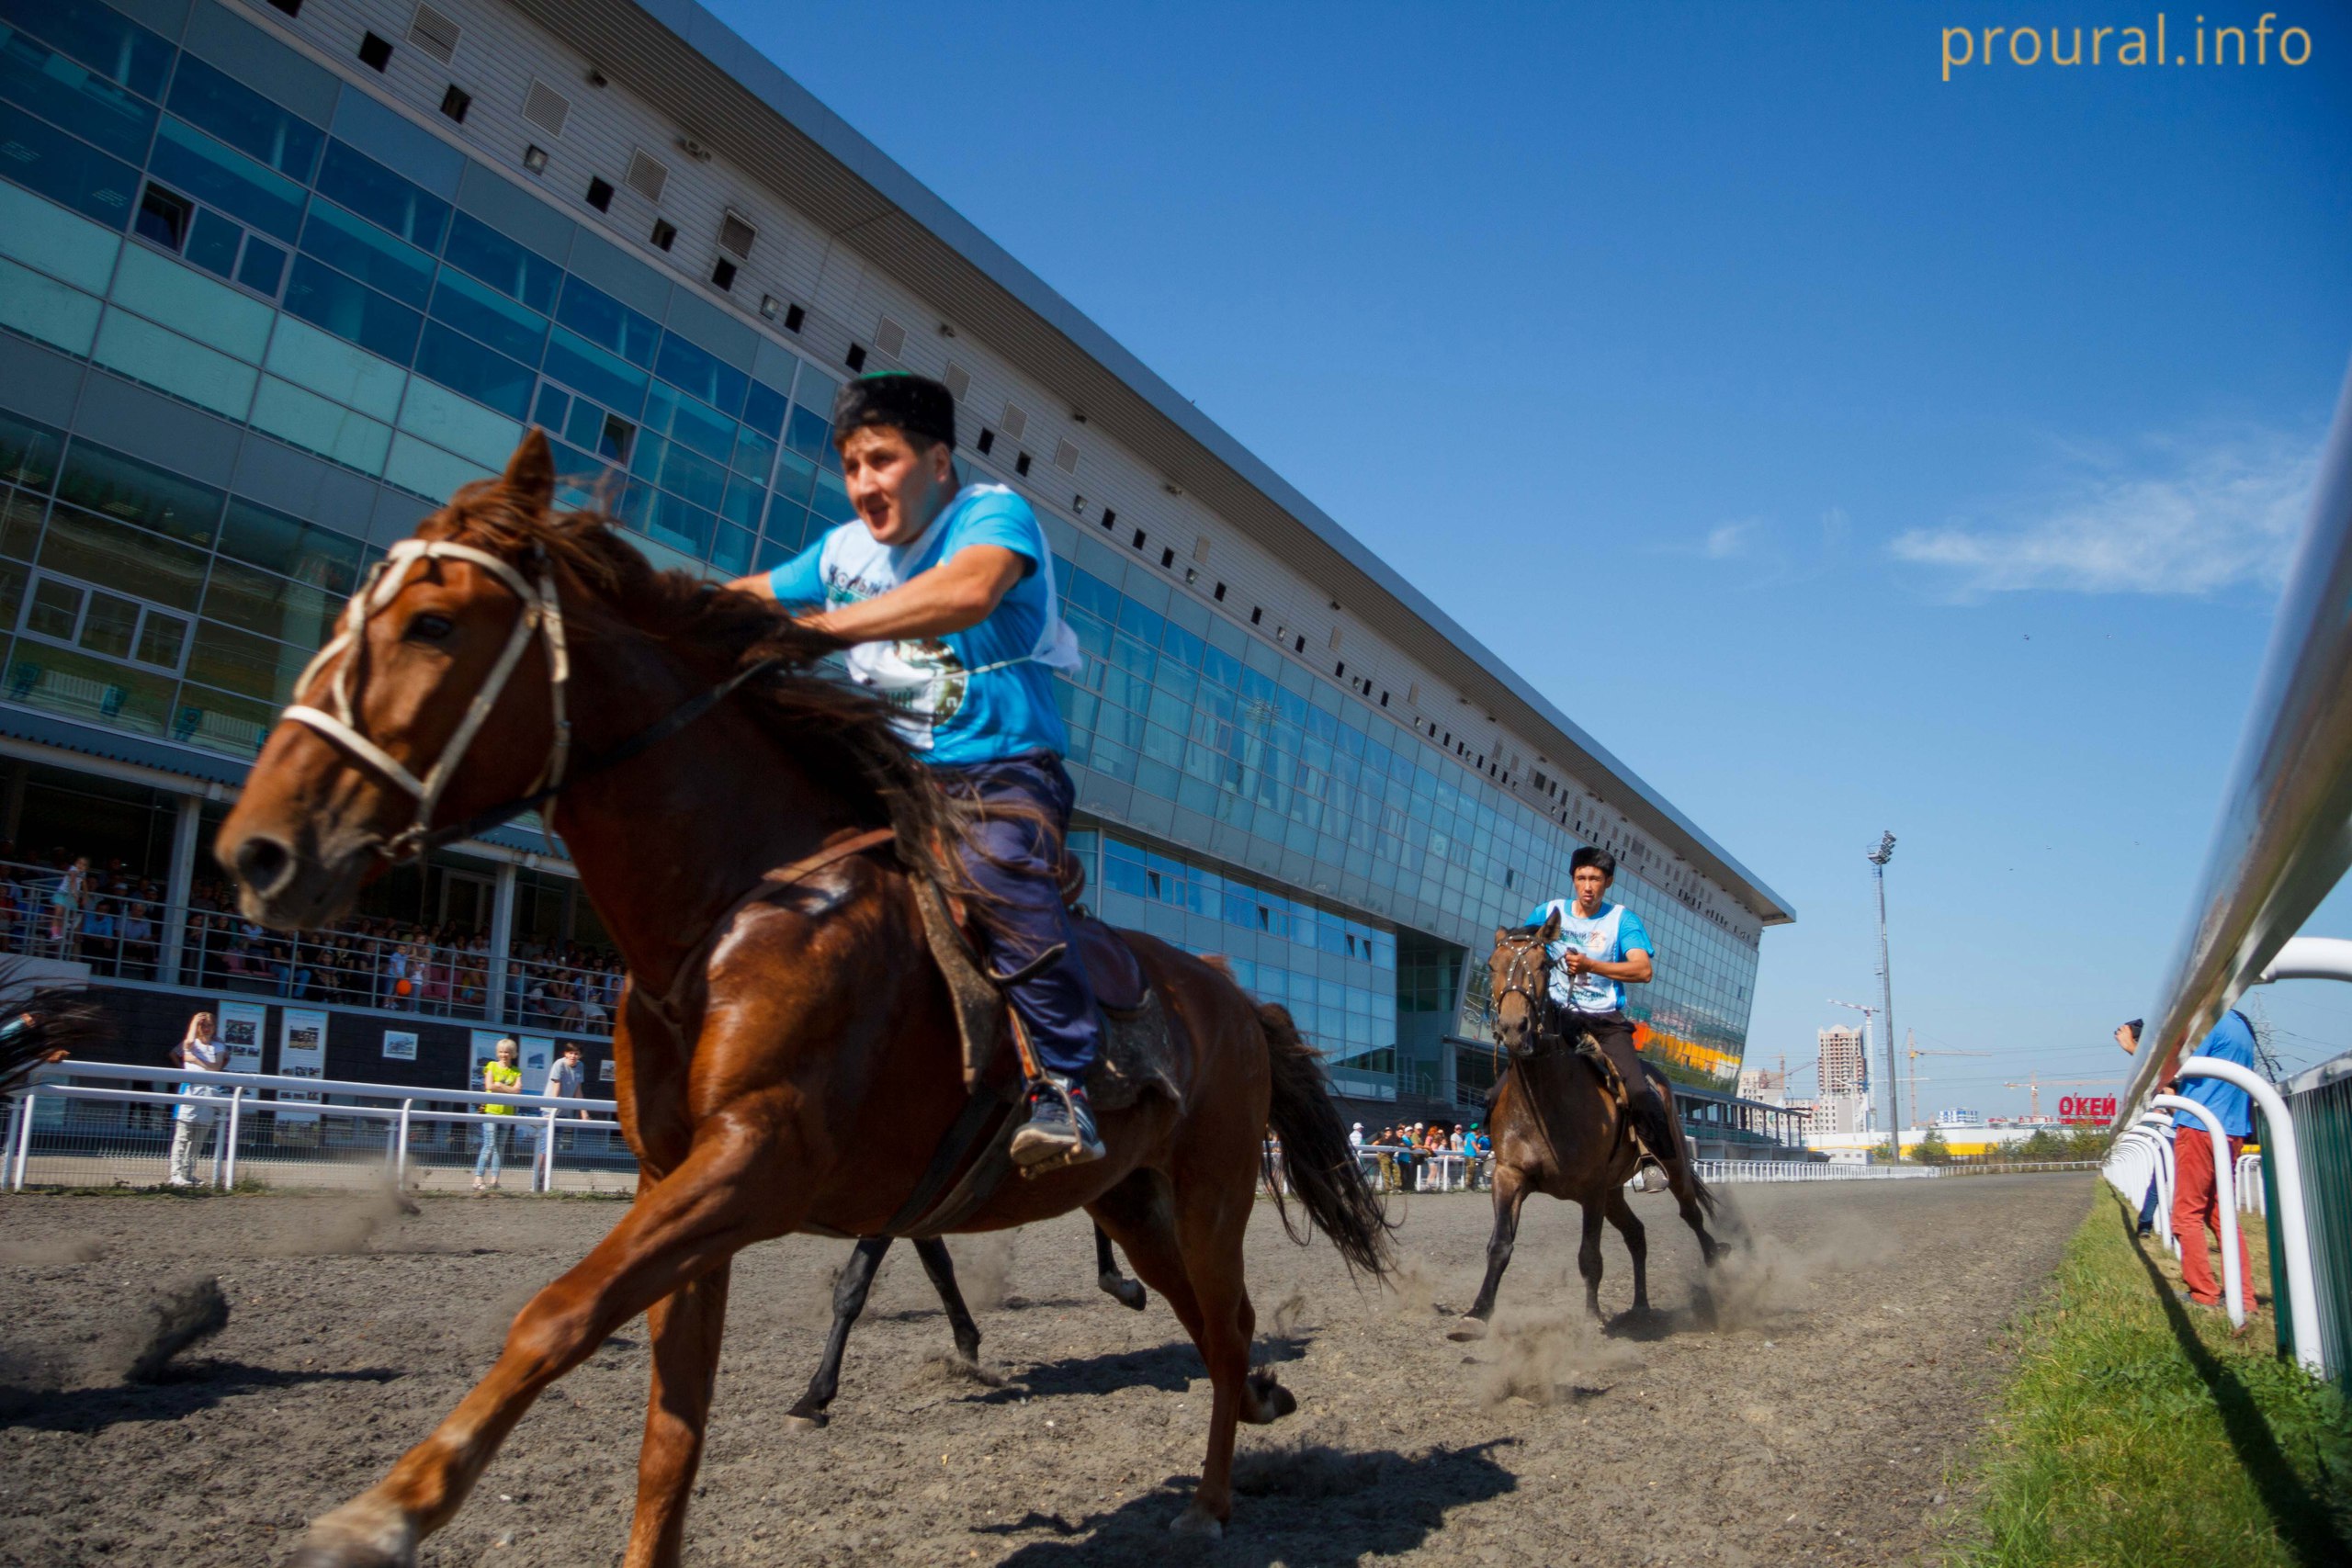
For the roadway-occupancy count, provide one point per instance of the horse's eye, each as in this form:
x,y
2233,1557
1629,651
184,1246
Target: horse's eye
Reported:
x,y
429,629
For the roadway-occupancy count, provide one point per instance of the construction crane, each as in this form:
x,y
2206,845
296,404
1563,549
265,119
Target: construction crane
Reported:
x,y
1911,1066
2034,1083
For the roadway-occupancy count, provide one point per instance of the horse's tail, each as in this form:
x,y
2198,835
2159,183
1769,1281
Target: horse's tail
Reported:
x,y
1316,1157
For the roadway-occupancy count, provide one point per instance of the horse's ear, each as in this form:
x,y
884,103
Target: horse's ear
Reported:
x,y
530,472
1502,935
1551,923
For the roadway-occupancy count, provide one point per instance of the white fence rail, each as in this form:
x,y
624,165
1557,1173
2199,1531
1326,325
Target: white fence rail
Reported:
x,y
102,1125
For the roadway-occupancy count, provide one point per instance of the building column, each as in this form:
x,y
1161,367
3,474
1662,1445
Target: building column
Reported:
x,y
502,938
185,829
15,809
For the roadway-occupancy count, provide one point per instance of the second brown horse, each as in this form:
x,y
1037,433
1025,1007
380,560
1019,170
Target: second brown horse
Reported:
x,y
1560,1130
787,1058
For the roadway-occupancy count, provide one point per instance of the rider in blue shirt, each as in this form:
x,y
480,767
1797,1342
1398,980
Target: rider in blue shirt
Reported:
x,y
944,592
1602,948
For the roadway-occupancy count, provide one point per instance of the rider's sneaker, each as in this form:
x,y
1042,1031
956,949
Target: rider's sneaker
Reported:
x,y
1060,1130
1652,1178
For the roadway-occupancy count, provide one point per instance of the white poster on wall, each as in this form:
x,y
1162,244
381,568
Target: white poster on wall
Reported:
x,y
400,1045
605,1070
538,1051
301,1054
240,1026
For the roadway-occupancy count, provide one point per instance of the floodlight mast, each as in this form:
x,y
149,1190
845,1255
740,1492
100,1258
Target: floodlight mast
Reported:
x,y
1878,859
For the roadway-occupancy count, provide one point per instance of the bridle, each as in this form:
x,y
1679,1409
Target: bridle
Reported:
x,y
541,616
1528,974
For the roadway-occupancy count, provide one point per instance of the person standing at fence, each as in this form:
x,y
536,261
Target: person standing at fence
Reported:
x,y
197,1121
500,1075
65,907
2196,1202
2128,1037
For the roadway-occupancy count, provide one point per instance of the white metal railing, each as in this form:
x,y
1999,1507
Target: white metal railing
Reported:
x,y
2233,1285
2251,1200
125,937
2294,1234
1730,1170
2278,848
234,1107
1433,1170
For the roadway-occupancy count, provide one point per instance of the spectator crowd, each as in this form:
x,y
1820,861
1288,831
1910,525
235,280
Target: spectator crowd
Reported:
x,y
114,921
1457,1155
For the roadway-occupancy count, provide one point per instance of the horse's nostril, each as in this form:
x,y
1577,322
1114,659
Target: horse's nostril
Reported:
x,y
263,863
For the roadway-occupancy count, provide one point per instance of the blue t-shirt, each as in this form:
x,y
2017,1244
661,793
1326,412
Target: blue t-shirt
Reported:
x,y
978,695
2232,1041
1607,938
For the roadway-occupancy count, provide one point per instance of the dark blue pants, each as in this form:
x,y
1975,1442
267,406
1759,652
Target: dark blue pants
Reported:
x,y
2148,1204
1026,917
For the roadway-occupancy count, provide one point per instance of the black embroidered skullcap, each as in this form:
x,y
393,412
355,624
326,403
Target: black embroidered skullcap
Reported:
x,y
916,404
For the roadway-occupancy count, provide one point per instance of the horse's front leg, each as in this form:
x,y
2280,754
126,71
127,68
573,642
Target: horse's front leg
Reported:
x,y
737,1185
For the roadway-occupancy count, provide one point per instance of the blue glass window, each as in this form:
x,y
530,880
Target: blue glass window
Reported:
x,y
584,367
300,550
553,405
72,174
831,503
796,479
122,487
742,503
368,254
716,382
604,321
98,36
324,298
694,477
809,434
730,551
264,267
677,524
464,365
188,160
212,242
491,316
244,119
84,101
676,414
512,269
754,454
764,409
381,197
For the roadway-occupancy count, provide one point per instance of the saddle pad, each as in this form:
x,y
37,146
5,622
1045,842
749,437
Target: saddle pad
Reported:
x,y
1138,1053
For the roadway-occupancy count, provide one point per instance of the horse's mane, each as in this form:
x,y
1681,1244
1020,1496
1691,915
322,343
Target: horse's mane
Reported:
x,y
844,737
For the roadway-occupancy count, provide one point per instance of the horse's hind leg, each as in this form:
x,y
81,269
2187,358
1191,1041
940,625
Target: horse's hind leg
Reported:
x,y
1589,1258
1115,1285
942,1270
849,1302
1511,1191
1637,1244
686,1329
1194,1259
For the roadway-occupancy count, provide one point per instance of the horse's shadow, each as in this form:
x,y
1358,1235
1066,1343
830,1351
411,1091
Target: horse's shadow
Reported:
x,y
1170,1367
182,1391
1302,1507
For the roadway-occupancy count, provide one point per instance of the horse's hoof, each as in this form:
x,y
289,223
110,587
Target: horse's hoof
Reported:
x,y
1466,1330
358,1535
804,1420
1272,1400
1198,1523
1128,1294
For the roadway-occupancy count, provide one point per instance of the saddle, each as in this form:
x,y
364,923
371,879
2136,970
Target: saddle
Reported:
x,y
1137,1057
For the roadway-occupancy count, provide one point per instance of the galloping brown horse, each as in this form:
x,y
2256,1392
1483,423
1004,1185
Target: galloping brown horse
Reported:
x,y
1559,1130
788,1059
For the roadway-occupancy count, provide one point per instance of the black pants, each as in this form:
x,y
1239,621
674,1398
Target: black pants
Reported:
x,y
1613,1031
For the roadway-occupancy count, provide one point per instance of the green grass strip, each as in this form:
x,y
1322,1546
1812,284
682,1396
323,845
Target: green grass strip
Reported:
x,y
2138,1430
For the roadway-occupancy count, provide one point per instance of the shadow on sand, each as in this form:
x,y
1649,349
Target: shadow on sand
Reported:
x,y
1302,1507
181,1391
1170,1368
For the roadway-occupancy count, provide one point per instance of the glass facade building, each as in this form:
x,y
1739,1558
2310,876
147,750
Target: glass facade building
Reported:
x,y
263,306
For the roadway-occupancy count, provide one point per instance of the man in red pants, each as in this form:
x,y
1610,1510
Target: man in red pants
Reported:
x,y
2196,1207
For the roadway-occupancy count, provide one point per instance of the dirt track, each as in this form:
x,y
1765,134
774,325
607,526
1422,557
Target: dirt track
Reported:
x,y
1853,1352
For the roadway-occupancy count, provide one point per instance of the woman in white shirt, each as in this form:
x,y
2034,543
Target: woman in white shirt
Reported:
x,y
200,1052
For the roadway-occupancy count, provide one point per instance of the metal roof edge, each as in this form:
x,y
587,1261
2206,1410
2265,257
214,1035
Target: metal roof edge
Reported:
x,y
731,52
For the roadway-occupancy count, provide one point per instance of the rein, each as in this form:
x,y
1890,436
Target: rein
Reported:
x,y
541,616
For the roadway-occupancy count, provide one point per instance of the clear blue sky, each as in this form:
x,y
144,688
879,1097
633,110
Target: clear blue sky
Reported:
x,y
1845,448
